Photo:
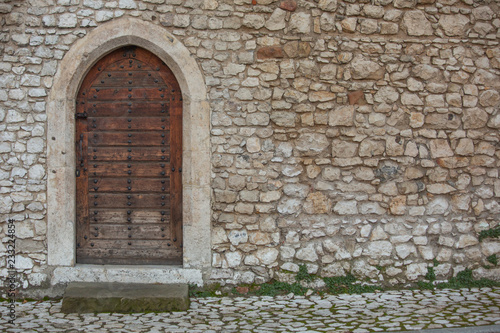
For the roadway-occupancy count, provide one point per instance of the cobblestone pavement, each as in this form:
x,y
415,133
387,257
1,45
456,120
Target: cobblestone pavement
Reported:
x,y
375,312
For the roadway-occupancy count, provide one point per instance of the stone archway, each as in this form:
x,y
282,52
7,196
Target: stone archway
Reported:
x,y
61,155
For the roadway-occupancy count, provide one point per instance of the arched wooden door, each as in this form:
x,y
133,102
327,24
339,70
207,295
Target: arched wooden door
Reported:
x,y
129,161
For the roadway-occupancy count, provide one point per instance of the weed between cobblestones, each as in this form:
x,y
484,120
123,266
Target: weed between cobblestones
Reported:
x,y
489,233
347,284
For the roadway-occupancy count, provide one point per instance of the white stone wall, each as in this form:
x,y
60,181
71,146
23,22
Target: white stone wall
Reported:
x,y
353,136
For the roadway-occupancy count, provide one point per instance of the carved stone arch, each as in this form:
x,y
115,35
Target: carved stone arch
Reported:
x,y
61,130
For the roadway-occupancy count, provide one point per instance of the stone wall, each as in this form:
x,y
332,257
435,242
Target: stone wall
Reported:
x,y
352,136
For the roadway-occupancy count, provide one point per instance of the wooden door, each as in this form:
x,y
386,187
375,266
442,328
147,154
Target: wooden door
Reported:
x,y
129,161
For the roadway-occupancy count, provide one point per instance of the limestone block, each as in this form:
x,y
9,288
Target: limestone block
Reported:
x,y
300,23
346,207
267,256
259,238
414,271
378,249
489,98
466,241
311,144
397,206
416,24
342,116
440,148
127,4
237,237
288,206
342,148
363,68
277,20
368,26
317,203
474,118
283,118
233,258
307,253
219,235
328,5
387,95
453,25
349,24
254,21
327,22
371,208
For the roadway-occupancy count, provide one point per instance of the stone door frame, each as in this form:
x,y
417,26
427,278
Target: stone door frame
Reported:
x,y
61,189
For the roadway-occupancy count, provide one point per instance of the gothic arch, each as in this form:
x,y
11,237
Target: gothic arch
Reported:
x,y
60,136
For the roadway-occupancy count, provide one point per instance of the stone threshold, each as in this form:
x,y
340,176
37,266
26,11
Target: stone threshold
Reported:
x,y
143,274
97,297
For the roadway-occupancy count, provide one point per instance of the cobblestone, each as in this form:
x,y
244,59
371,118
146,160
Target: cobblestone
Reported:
x,y
372,312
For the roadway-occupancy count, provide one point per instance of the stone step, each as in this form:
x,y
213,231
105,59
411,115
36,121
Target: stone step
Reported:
x,y
94,297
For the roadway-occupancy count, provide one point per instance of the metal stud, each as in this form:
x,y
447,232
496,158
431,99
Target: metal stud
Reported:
x,y
129,165
92,244
129,219
129,243
129,135
129,228
85,237
128,196
129,203
129,212
129,172
129,181
129,236
109,75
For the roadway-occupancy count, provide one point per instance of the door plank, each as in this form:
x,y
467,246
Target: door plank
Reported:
x,y
132,78
133,201
137,216
129,124
129,139
135,154
129,185
121,231
128,109
148,169
127,93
